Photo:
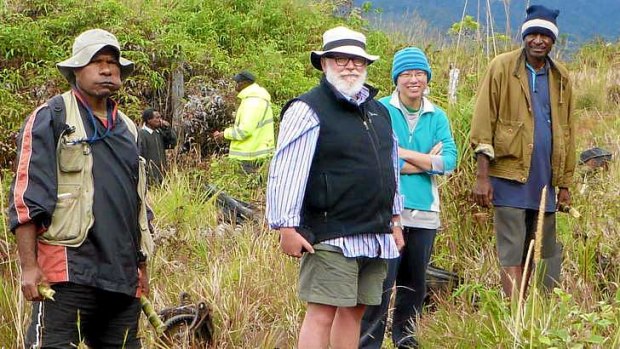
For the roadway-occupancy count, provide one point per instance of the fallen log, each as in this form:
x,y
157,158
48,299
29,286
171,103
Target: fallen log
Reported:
x,y
233,210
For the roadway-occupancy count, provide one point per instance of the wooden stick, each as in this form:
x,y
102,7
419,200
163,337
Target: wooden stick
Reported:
x,y
538,235
152,316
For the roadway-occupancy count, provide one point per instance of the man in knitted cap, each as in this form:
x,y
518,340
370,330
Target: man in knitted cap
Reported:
x,y
77,209
426,150
251,137
333,192
524,139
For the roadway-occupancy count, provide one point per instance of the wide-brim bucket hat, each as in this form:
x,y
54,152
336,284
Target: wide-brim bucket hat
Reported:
x,y
342,40
86,46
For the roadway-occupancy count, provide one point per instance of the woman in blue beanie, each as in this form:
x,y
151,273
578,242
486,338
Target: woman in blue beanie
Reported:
x,y
426,150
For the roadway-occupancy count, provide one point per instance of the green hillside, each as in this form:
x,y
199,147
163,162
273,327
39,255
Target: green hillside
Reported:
x,y
580,20
209,41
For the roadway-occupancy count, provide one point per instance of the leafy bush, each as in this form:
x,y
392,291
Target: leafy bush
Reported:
x,y
210,40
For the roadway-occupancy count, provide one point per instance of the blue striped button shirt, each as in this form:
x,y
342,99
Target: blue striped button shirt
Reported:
x,y
288,175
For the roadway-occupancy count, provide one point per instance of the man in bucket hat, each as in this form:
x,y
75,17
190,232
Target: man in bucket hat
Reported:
x,y
333,192
76,207
523,135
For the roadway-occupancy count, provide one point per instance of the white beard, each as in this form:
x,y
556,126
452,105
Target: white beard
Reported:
x,y
350,89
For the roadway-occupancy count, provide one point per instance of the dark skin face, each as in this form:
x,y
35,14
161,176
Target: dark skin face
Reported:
x,y
242,84
537,48
155,122
97,80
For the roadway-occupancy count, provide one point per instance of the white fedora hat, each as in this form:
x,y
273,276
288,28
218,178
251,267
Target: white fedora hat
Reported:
x,y
342,40
85,46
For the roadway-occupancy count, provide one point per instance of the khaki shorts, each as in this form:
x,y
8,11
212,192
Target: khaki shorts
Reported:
x,y
515,228
328,277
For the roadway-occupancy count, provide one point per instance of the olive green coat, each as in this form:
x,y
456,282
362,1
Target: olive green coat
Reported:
x,y
503,122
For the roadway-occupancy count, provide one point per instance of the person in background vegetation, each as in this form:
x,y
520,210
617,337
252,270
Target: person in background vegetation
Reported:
x,y
252,136
523,136
333,192
156,136
76,207
426,149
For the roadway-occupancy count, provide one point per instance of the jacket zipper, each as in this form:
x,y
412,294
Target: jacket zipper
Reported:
x,y
369,128
326,196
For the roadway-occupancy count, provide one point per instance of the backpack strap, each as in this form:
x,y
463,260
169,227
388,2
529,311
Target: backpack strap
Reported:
x,y
59,117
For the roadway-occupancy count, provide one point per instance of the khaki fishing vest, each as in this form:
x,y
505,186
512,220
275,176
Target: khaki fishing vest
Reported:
x,y
73,216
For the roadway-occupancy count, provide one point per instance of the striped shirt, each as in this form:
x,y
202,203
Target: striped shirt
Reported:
x,y
288,176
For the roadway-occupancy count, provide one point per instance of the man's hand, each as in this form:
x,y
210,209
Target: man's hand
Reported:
x,y
164,123
143,279
218,135
32,277
483,191
291,242
563,198
397,233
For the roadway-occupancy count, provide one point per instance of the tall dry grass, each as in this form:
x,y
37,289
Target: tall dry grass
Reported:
x,y
251,286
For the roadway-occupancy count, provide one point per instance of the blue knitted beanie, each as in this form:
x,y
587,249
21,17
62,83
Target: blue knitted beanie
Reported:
x,y
541,20
408,59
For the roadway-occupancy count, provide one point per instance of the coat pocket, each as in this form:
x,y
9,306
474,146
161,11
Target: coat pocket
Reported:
x,y
508,139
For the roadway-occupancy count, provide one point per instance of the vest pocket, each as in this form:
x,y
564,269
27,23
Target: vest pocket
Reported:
x,y
72,156
318,193
66,219
508,142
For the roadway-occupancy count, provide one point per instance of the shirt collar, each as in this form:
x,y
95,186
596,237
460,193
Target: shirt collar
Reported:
x,y
147,129
427,106
542,71
360,97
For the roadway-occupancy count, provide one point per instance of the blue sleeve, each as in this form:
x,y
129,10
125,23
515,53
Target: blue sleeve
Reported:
x,y
32,197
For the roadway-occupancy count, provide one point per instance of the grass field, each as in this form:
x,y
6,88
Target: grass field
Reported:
x,y
251,286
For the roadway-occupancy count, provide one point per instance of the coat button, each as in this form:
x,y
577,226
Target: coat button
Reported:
x,y
523,179
509,130
531,145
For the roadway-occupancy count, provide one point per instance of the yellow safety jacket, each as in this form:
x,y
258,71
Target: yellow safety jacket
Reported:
x,y
73,216
252,136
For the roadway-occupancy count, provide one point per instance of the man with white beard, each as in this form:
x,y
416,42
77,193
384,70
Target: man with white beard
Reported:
x,y
333,192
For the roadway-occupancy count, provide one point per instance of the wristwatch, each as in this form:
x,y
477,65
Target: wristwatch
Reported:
x,y
398,224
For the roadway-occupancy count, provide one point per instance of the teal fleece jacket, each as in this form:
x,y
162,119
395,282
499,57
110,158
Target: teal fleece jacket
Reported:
x,y
420,189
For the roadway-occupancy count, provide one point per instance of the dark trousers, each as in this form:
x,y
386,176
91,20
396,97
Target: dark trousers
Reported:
x,y
409,273
98,318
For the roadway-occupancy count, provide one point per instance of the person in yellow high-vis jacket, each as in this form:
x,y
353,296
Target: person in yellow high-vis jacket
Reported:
x,y
252,135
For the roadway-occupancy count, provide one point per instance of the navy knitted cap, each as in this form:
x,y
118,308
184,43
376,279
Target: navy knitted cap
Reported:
x,y
244,76
408,59
540,20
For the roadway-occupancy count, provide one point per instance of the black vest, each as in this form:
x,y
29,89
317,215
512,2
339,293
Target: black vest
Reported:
x,y
351,185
